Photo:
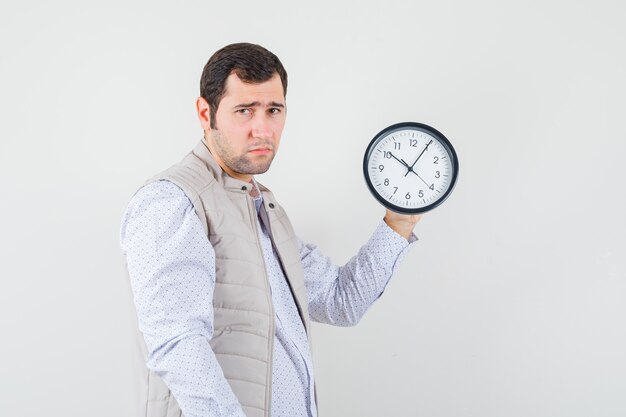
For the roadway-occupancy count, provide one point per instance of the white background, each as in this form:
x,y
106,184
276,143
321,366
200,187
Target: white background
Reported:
x,y
511,304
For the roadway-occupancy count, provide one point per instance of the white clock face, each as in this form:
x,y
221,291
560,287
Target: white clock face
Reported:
x,y
410,168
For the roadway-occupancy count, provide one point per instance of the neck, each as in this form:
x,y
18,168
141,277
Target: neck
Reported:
x,y
226,168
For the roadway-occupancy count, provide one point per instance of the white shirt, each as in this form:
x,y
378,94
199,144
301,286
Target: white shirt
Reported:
x,y
172,270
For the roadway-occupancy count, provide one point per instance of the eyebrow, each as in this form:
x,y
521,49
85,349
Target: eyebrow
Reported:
x,y
258,104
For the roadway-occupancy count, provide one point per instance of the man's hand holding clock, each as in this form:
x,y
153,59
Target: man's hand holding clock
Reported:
x,y
402,224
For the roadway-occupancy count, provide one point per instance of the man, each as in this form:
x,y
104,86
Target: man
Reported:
x,y
224,291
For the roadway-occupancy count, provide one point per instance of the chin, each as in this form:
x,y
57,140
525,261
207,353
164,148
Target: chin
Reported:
x,y
260,170
261,167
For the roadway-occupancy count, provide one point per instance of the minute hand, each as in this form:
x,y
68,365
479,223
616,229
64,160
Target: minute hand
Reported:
x,y
418,158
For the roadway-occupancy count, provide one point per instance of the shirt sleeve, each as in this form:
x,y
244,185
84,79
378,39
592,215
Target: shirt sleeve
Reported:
x,y
171,264
340,295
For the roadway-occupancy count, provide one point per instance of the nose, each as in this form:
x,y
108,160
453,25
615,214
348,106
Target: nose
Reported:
x,y
261,127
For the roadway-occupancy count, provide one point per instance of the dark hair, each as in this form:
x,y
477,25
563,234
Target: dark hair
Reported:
x,y
252,64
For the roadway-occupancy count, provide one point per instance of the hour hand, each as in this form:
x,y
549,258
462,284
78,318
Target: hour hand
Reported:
x,y
408,168
399,160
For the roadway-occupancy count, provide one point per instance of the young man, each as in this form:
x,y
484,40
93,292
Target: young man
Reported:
x,y
223,289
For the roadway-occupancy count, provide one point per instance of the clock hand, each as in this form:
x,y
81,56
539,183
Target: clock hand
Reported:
x,y
399,160
409,169
418,176
418,158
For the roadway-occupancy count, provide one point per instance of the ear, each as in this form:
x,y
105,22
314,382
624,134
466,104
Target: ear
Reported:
x,y
204,114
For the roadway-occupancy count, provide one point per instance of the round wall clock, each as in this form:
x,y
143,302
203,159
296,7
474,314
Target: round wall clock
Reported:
x,y
410,167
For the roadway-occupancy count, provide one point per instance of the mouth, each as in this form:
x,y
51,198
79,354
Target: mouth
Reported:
x,y
260,151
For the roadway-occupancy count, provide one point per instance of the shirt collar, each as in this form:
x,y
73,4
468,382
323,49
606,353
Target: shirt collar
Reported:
x,y
255,193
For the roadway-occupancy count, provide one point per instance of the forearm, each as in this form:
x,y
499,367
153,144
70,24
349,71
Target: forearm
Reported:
x,y
342,295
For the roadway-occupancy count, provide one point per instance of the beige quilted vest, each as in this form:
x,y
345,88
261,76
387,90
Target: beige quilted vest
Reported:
x,y
243,334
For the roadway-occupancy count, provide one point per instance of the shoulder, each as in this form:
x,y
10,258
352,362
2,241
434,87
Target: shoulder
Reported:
x,y
159,205
158,193
158,220
191,175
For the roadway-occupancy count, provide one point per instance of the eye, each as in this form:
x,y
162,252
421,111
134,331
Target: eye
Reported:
x,y
244,111
274,110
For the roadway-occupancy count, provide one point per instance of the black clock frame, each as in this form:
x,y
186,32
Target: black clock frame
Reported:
x,y
416,126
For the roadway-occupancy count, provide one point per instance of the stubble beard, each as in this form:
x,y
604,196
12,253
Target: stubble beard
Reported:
x,y
242,164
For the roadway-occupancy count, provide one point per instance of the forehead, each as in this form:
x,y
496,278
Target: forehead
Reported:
x,y
267,91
